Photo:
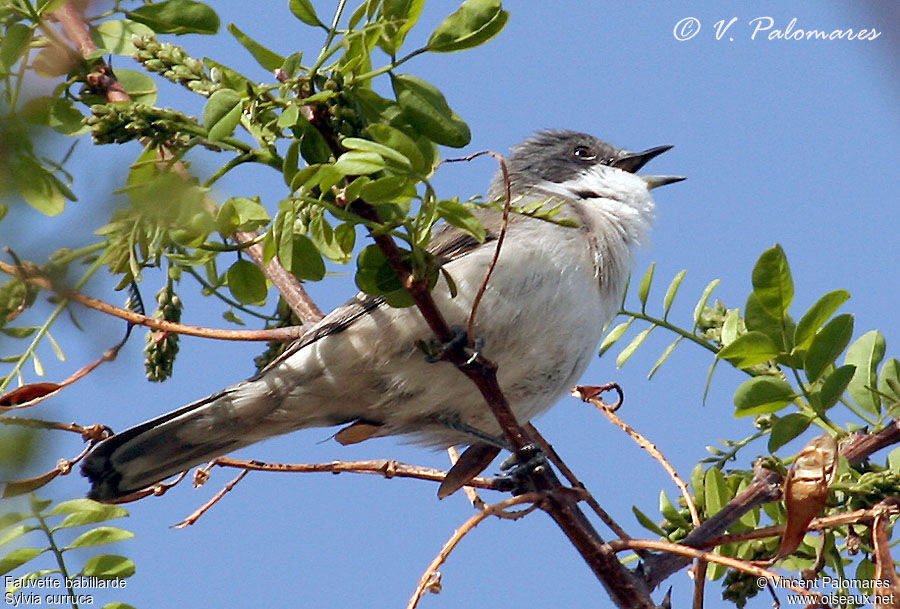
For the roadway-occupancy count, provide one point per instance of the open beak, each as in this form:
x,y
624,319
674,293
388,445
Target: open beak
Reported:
x,y
633,161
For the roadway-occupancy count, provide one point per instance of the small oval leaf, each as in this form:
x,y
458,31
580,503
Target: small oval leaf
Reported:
x,y
749,350
762,395
827,344
246,282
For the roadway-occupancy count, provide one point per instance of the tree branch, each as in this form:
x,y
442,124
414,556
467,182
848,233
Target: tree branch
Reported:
x,y
104,82
30,276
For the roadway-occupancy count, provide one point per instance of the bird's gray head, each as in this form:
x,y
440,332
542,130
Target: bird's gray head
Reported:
x,y
580,168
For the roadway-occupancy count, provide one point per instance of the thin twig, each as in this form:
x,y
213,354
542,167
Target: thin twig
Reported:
x,y
504,225
569,475
387,468
196,514
430,580
620,545
589,394
43,282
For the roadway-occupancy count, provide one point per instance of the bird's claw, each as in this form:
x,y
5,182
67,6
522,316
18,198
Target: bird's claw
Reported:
x,y
436,350
521,465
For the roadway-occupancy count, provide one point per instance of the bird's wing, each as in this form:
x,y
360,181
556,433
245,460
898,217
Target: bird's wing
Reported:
x,y
448,244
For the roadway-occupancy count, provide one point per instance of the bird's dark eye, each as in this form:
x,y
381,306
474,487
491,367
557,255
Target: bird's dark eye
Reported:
x,y
584,153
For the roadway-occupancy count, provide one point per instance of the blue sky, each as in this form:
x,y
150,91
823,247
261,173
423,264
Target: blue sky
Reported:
x,y
782,141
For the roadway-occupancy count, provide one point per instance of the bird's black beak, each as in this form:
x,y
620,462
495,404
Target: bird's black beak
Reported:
x,y
633,161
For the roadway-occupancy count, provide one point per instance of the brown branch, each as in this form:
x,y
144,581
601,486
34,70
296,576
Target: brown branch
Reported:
x,y
569,475
104,82
689,553
864,516
431,578
504,225
196,514
888,583
624,588
765,487
387,468
289,287
43,282
590,394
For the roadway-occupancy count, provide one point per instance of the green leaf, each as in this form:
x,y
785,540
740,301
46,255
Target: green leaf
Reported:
x,y
85,511
359,163
889,379
749,350
12,45
17,558
108,566
460,216
246,282
730,326
671,291
636,342
117,605
762,395
827,344
646,522
704,298
398,17
384,190
427,111
817,315
756,317
614,335
140,87
786,429
177,17
374,275
269,60
865,353
306,261
665,355
241,214
115,36
304,11
474,23
772,283
222,114
715,491
387,153
893,460
14,533
834,386
644,287
11,518
671,513
397,140
100,536
697,484
37,187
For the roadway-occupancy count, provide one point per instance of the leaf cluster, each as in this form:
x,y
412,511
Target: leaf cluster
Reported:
x,y
52,523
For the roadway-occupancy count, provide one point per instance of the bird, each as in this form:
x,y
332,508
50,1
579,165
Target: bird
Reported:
x,y
553,289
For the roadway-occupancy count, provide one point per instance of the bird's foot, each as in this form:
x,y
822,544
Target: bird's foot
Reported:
x,y
436,350
522,465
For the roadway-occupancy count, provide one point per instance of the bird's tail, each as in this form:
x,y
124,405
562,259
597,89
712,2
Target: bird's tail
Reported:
x,y
172,443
